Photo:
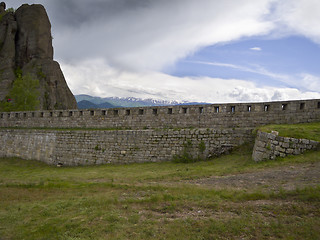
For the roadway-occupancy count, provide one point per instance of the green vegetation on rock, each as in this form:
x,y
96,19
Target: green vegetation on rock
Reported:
x,y
7,11
191,154
24,94
10,10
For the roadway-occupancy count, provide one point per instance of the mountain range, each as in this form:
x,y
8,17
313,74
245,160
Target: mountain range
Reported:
x,y
87,101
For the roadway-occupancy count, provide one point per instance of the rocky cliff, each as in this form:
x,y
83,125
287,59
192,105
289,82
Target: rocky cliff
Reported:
x,y
26,44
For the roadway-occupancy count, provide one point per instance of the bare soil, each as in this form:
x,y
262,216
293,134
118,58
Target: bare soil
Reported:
x,y
284,177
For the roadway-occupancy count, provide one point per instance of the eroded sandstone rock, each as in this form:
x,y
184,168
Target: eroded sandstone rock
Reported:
x,y
8,29
26,44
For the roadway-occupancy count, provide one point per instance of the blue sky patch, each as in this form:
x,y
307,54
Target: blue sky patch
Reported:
x,y
263,61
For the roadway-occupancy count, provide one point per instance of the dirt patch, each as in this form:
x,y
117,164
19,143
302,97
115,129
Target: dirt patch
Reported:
x,y
285,177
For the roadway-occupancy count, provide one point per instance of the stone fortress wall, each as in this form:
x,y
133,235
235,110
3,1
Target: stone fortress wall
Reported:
x,y
119,135
269,146
185,116
148,134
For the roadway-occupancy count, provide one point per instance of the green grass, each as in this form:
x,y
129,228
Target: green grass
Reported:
x,y
153,201
303,130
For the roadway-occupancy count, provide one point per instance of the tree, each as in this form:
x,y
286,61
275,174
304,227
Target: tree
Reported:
x,y
24,94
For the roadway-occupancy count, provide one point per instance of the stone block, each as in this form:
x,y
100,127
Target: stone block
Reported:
x,y
272,136
314,143
280,149
260,144
304,141
285,144
289,151
282,154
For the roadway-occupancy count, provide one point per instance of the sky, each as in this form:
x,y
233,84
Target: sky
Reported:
x,y
188,50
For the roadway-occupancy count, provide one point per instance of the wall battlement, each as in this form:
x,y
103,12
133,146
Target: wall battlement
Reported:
x,y
149,134
199,116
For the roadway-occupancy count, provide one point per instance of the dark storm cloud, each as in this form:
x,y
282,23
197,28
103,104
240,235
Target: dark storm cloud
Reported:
x,y
73,13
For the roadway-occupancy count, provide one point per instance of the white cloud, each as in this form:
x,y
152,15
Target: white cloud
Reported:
x,y
149,35
305,81
99,79
161,32
135,40
255,49
253,69
298,17
310,81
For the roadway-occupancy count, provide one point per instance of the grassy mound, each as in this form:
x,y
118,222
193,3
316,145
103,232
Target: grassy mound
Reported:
x,y
304,130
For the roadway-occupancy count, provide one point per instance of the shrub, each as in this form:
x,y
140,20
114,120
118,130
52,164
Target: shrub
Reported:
x,y
24,94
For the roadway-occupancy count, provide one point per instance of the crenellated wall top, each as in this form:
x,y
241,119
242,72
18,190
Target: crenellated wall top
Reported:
x,y
172,116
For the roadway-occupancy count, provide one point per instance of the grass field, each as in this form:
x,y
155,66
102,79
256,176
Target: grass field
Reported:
x,y
302,130
230,197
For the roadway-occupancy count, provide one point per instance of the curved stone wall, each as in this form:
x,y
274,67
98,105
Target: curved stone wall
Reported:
x,y
83,147
199,116
268,146
126,135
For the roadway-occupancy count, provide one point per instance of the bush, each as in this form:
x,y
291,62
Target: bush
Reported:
x,y
24,94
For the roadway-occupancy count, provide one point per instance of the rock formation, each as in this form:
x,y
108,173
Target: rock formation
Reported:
x,y
2,7
26,44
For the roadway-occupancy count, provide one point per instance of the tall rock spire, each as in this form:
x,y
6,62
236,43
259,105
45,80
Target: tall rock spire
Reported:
x,y
2,7
26,44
